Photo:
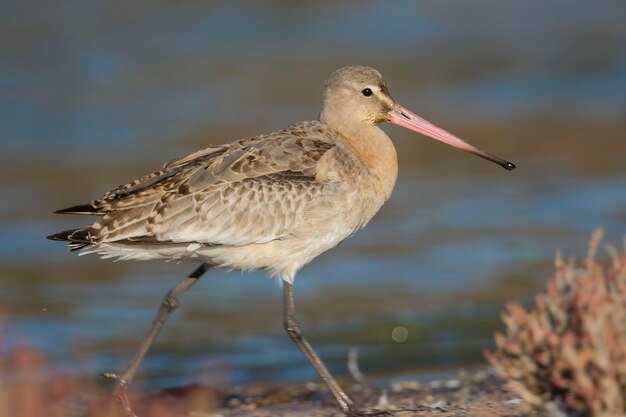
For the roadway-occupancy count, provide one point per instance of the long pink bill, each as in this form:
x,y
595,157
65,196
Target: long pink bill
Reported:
x,y
403,117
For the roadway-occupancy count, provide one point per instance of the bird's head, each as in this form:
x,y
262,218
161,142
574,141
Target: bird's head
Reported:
x,y
359,95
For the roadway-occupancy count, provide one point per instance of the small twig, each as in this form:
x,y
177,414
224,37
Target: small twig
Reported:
x,y
353,365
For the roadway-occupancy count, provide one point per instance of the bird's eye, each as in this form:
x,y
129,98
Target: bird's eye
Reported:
x,y
367,92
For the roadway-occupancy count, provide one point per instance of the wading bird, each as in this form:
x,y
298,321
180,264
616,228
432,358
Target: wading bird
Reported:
x,y
274,201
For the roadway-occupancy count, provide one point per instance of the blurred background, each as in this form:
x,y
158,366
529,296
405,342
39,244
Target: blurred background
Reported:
x,y
95,93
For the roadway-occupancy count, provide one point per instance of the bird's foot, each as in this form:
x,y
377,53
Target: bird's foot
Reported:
x,y
368,412
373,412
120,392
121,381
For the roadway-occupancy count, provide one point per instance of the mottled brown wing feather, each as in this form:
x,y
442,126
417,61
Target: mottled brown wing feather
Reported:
x,y
250,191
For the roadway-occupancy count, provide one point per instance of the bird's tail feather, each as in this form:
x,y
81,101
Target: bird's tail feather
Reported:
x,y
78,238
79,209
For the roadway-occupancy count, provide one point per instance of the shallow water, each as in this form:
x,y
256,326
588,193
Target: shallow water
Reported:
x,y
95,93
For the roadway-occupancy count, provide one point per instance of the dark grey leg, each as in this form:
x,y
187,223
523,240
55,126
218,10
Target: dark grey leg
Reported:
x,y
293,329
169,304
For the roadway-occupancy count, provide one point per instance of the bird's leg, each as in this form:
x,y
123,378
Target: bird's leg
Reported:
x,y
293,329
168,304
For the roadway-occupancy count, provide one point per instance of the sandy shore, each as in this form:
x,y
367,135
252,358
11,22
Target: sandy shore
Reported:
x,y
476,393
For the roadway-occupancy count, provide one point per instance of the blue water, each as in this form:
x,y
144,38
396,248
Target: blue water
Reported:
x,y
95,93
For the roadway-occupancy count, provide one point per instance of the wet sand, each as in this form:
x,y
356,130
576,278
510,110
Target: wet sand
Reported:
x,y
473,393
476,394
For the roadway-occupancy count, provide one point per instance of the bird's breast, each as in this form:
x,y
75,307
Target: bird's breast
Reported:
x,y
364,183
370,161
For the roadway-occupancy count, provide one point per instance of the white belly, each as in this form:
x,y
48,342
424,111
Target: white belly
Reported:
x,y
282,258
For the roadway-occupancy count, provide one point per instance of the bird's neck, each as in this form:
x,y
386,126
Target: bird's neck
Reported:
x,y
373,147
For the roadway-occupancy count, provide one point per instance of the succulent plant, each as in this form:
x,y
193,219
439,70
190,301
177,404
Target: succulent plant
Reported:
x,y
569,348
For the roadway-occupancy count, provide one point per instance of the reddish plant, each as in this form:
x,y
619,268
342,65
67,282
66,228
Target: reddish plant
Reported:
x,y
569,348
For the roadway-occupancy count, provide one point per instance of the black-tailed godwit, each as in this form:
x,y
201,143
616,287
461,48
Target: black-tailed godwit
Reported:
x,y
274,201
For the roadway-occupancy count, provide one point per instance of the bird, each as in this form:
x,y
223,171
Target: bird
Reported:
x,y
273,202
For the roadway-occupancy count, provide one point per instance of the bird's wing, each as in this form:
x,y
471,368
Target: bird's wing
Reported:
x,y
250,191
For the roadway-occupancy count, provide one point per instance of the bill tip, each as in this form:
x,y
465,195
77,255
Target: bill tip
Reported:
x,y
509,166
